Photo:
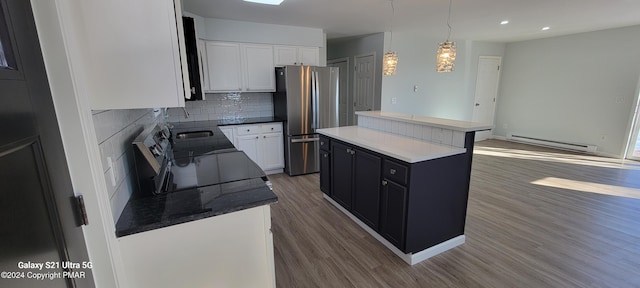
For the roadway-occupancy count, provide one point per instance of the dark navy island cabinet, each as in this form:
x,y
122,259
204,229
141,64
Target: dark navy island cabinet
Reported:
x,y
413,205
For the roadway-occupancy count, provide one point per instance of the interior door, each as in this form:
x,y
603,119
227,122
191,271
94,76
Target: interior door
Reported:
x,y
343,88
486,93
37,219
364,83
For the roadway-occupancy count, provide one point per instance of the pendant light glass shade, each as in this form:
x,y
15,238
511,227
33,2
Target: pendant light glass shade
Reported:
x,y
390,61
446,56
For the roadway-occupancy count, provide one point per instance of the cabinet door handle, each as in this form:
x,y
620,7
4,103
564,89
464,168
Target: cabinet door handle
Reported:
x,y
392,171
321,142
384,183
271,128
353,152
257,137
325,155
264,136
248,130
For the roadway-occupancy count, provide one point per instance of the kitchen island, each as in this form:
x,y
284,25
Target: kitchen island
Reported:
x,y
404,179
208,223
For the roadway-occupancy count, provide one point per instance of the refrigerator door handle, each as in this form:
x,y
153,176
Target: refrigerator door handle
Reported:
x,y
305,140
314,99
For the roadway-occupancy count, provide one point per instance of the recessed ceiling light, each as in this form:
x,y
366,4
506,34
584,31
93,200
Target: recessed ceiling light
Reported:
x,y
504,22
268,2
546,28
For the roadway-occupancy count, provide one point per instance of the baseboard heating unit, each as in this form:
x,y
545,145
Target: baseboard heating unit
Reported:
x,y
553,144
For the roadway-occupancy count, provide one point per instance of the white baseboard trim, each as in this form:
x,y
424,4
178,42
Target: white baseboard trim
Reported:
x,y
410,258
273,171
498,137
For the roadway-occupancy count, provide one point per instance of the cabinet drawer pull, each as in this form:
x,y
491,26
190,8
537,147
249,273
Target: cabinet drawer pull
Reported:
x,y
321,142
384,182
257,137
392,171
248,130
271,128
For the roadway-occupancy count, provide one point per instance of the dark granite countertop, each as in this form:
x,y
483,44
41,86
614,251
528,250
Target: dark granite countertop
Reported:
x,y
253,120
149,213
210,178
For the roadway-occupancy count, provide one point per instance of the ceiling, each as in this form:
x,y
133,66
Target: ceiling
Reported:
x,y
470,19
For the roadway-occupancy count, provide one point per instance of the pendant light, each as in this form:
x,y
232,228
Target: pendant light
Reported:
x,y
446,55
390,59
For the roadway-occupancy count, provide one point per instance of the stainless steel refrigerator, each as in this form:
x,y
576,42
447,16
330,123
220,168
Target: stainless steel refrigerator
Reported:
x,y
307,98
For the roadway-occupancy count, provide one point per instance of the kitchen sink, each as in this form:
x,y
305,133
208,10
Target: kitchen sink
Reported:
x,y
194,134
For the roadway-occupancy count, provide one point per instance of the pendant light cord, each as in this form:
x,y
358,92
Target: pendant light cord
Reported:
x,y
393,14
448,18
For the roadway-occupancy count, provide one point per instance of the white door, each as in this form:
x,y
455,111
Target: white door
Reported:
x,y
486,93
249,145
343,98
272,151
364,83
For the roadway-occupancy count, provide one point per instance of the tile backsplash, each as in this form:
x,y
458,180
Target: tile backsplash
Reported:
x,y
225,106
115,130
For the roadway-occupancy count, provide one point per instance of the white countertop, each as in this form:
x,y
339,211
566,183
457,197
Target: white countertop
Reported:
x,y
403,148
456,125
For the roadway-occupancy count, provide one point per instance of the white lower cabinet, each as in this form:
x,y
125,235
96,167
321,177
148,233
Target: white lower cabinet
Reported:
x,y
228,132
263,143
229,250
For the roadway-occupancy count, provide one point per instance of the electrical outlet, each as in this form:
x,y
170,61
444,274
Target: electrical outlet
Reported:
x,y
394,100
112,173
415,88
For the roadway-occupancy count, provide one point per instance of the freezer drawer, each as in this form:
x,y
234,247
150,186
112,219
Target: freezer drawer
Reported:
x,y
303,154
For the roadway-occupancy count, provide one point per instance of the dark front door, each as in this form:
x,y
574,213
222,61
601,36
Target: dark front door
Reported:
x,y
38,225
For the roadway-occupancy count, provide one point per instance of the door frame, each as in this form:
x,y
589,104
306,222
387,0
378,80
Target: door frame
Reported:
x,y
348,77
473,114
373,82
634,127
61,51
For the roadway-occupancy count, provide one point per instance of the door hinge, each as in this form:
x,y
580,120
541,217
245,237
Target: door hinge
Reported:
x,y
81,211
498,67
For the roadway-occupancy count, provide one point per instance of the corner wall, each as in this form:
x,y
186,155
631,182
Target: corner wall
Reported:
x,y
351,47
578,88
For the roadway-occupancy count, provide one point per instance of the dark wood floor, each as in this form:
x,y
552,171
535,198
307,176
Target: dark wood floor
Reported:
x,y
537,217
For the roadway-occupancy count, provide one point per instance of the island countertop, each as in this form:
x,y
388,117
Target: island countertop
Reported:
x,y
455,125
396,146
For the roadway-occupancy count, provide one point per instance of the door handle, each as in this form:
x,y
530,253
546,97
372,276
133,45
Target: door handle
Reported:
x,y
384,182
477,104
392,171
305,140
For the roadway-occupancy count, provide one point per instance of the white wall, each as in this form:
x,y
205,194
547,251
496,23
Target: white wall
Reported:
x,y
444,95
240,31
575,88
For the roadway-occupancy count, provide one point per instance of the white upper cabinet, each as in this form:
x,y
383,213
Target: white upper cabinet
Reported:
x,y
259,69
224,66
309,56
285,55
133,53
296,55
240,67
